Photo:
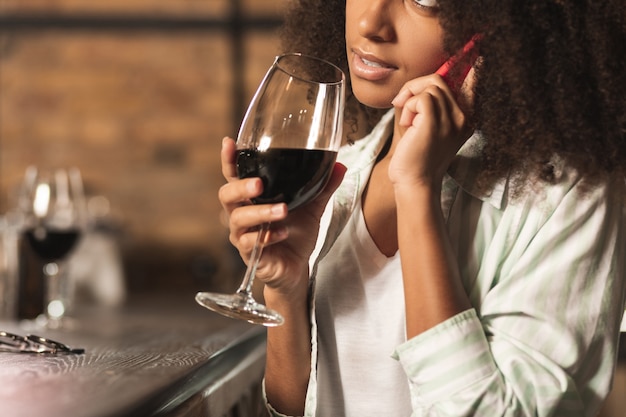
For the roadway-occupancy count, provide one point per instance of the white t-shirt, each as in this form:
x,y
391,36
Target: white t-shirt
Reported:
x,y
359,303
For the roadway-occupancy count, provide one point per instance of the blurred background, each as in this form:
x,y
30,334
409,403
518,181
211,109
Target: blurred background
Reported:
x,y
137,94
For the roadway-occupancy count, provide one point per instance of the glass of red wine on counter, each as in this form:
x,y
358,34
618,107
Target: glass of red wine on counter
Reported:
x,y
289,138
54,218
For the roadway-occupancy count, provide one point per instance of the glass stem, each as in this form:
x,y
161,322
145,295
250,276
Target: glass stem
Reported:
x,y
53,288
248,280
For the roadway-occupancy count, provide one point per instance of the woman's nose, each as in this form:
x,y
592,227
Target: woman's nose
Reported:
x,y
375,21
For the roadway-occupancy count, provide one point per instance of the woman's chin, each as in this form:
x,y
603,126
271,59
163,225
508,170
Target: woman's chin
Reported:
x,y
371,95
374,100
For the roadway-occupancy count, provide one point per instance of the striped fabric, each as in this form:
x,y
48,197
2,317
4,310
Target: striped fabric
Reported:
x,y
545,274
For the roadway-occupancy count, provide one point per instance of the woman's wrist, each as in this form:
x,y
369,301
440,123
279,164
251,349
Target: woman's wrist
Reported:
x,y
419,191
295,298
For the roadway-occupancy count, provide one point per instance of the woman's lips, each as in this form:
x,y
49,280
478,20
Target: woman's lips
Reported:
x,y
369,68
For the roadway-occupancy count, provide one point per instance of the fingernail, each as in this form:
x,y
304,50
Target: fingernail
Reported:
x,y
277,209
252,186
396,99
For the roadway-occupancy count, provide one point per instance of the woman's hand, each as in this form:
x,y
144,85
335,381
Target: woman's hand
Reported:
x,y
292,236
432,127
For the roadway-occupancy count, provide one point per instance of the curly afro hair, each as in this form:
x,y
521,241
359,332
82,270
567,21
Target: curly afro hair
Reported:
x,y
551,80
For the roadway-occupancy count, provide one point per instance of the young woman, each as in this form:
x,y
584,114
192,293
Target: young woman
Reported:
x,y
471,258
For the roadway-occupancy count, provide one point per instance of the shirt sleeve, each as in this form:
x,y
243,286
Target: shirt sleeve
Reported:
x,y
541,339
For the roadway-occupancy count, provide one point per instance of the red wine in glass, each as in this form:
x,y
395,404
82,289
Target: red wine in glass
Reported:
x,y
52,245
292,176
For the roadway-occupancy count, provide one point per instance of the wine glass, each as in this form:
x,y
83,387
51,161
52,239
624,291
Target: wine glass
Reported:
x,y
54,216
289,138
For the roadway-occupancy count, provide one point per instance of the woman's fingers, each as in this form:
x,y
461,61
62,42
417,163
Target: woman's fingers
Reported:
x,y
431,87
430,107
243,217
244,220
436,87
244,223
436,102
239,193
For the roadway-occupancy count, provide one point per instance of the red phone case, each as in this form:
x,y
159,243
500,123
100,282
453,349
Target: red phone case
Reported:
x,y
445,70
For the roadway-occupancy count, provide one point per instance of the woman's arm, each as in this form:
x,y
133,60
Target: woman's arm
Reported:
x,y
283,269
288,362
546,278
545,274
432,284
430,128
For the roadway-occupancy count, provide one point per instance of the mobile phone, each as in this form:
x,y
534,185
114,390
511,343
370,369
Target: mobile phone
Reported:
x,y
456,78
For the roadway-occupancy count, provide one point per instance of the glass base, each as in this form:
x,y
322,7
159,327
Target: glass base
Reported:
x,y
239,306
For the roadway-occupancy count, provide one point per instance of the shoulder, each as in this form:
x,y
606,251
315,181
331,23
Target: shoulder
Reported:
x,y
571,188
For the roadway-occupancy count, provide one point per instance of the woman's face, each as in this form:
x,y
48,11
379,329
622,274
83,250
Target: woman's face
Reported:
x,y
390,42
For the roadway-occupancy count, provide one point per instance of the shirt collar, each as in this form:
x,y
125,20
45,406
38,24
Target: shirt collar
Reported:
x,y
465,168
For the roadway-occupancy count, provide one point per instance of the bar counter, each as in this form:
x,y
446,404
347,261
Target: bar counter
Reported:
x,y
156,356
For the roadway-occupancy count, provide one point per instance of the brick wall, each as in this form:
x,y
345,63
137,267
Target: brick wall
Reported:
x,y
141,110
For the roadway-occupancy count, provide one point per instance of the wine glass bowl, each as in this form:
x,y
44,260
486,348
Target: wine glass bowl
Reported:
x,y
289,138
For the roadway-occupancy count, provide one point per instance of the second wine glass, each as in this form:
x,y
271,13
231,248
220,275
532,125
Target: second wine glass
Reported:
x,y
289,138
53,205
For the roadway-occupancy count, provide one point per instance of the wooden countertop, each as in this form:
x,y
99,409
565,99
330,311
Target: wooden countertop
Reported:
x,y
147,358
